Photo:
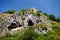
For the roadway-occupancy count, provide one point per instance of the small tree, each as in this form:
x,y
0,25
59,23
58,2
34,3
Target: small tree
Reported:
x,y
52,17
58,19
46,14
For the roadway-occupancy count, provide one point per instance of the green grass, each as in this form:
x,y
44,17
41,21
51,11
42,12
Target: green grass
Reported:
x,y
26,35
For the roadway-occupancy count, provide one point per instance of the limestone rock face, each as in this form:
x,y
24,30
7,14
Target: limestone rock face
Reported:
x,y
32,9
30,17
18,20
45,24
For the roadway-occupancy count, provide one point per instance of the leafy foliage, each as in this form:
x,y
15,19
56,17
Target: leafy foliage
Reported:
x,y
10,11
46,14
23,10
58,19
29,35
52,17
26,35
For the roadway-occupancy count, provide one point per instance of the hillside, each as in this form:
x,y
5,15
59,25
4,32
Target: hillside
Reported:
x,y
29,24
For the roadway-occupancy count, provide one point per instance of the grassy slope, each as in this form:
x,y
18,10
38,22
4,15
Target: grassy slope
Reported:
x,y
55,33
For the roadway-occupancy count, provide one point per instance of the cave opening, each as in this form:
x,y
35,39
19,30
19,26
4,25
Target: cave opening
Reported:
x,y
30,23
14,25
44,28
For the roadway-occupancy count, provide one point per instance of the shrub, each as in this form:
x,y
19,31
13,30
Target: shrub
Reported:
x,y
58,19
29,35
52,17
10,11
46,14
23,11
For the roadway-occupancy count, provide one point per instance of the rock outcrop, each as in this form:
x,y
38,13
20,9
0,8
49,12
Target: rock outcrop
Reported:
x,y
18,20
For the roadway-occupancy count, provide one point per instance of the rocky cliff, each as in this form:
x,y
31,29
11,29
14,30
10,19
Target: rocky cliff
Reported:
x,y
21,20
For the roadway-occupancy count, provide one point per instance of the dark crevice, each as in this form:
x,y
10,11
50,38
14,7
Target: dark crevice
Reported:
x,y
30,23
44,28
13,25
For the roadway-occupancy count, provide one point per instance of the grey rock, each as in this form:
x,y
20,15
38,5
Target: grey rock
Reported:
x,y
24,20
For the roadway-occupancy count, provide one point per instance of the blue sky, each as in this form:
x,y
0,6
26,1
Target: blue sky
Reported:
x,y
47,6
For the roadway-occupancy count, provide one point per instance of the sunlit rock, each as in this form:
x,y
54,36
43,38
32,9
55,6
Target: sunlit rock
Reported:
x,y
30,19
33,10
19,20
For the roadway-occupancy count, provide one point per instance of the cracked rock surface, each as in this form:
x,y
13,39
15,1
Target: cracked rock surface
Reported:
x,y
17,20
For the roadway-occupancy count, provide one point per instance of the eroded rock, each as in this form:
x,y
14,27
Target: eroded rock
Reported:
x,y
17,20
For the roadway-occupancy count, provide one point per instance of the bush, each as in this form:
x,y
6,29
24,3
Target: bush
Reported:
x,y
52,17
23,11
10,11
29,35
58,19
46,14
